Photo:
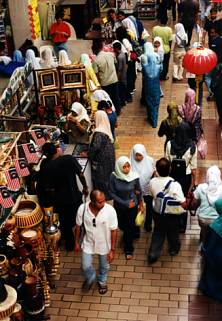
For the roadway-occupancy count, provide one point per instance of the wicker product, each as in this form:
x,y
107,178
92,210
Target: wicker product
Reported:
x,y
7,306
28,214
3,265
30,236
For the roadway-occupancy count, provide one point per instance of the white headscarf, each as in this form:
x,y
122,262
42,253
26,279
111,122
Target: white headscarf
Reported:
x,y
213,180
145,167
160,40
30,57
130,27
100,94
84,58
81,112
102,124
47,60
120,162
64,58
180,33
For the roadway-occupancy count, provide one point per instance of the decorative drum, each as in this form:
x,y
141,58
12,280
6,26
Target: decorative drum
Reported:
x,y
28,214
7,306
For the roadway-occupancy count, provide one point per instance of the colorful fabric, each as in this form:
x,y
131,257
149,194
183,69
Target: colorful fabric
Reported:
x,y
56,31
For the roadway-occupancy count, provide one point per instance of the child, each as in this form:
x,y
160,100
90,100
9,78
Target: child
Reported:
x,y
180,40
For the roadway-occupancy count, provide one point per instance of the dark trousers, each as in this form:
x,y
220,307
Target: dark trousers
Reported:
x,y
126,222
164,226
166,60
189,30
67,218
113,91
131,76
149,211
172,5
123,95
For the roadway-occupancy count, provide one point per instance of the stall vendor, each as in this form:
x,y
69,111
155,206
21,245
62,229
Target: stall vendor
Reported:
x,y
78,124
60,33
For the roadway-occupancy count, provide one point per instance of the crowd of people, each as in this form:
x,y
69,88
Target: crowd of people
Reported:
x,y
167,187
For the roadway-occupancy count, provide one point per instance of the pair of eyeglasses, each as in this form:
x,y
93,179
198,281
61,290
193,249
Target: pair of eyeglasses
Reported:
x,y
94,222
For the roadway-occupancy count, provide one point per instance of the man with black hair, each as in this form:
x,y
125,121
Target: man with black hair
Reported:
x,y
100,222
104,67
212,22
165,225
60,33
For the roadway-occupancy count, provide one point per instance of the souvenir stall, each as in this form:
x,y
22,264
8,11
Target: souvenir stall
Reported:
x,y
29,235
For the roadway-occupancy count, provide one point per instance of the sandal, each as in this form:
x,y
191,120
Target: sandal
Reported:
x,y
129,256
102,288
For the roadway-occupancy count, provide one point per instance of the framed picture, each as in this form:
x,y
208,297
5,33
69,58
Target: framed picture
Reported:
x,y
49,99
107,4
48,79
72,78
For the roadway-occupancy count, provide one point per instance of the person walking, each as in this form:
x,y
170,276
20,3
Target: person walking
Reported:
x,y
180,42
164,32
100,222
166,225
104,67
144,165
127,195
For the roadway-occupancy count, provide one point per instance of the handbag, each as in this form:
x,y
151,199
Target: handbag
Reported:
x,y
202,147
166,204
140,218
82,227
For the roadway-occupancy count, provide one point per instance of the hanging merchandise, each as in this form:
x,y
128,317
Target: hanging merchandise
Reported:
x,y
34,18
12,179
38,137
21,167
30,153
6,200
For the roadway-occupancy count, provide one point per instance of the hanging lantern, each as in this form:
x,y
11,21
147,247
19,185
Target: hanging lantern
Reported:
x,y
200,60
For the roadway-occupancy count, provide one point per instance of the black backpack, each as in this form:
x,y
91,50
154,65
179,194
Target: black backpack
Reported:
x,y
178,170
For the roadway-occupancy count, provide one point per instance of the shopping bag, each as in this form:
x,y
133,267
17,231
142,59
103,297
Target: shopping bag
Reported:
x,y
140,218
202,147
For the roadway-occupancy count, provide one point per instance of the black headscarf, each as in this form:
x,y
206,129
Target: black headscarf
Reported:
x,y
182,140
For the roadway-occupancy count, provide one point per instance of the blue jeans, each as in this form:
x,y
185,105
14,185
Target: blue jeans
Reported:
x,y
89,271
60,46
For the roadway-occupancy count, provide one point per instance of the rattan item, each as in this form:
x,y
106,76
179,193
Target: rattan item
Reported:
x,y
28,214
8,305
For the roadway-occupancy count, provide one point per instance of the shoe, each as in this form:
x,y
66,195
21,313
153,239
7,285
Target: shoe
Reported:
x,y
87,286
129,256
152,259
173,252
175,79
165,78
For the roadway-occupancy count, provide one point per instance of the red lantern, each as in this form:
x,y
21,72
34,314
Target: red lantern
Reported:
x,y
200,60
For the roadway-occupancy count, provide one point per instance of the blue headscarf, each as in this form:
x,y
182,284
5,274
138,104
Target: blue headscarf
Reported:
x,y
152,67
17,56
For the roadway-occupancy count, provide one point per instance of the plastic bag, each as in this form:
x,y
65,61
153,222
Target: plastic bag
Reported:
x,y
140,218
202,147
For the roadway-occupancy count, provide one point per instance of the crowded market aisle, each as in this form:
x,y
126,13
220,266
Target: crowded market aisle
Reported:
x,y
167,290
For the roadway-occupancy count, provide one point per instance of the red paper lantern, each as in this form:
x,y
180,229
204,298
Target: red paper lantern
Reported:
x,y
199,61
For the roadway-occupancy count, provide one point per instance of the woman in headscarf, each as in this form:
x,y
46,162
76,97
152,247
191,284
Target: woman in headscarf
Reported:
x,y
30,57
47,59
144,165
17,56
191,113
64,58
180,40
92,83
169,124
205,196
78,124
151,82
127,195
181,147
158,48
100,95
211,278
101,153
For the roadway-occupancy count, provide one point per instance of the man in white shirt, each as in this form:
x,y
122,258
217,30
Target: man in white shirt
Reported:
x,y
100,221
166,225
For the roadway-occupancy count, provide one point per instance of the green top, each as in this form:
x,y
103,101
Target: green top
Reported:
x,y
166,34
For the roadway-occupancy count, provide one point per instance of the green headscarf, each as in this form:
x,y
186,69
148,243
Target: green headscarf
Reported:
x,y
173,119
217,224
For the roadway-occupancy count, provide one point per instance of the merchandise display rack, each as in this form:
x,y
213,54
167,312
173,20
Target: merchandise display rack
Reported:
x,y
146,9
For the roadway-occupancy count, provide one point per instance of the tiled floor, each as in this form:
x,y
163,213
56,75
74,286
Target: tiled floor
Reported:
x,y
167,290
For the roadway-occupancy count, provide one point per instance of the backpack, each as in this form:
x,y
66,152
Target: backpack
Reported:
x,y
165,204
178,170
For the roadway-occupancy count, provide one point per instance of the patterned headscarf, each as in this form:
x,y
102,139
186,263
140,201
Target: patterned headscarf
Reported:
x,y
173,119
189,109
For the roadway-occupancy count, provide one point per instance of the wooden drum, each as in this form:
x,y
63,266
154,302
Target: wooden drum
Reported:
x,y
7,307
28,214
